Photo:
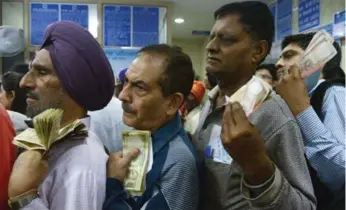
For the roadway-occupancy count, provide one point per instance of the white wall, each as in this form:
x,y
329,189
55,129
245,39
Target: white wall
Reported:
x,y
193,48
8,11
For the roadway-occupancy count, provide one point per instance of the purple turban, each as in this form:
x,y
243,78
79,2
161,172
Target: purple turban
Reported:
x,y
80,63
122,76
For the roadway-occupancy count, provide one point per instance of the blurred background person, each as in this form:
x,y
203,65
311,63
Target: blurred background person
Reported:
x,y
332,69
119,82
13,98
210,81
268,73
192,107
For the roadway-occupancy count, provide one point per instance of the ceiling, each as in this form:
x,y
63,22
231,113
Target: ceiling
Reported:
x,y
198,15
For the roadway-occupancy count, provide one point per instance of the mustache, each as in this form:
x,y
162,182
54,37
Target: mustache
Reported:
x,y
33,95
127,108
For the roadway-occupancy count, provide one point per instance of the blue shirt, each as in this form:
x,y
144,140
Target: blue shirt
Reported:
x,y
173,181
324,139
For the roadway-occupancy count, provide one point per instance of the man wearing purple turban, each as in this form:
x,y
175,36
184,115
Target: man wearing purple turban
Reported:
x,y
70,72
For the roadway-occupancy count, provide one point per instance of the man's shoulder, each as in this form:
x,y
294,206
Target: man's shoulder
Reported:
x,y
272,115
82,154
181,152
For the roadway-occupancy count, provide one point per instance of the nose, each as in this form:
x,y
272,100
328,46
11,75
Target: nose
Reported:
x,y
27,81
280,64
124,95
212,46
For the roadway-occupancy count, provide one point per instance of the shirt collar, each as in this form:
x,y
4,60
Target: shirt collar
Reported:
x,y
166,133
214,92
318,83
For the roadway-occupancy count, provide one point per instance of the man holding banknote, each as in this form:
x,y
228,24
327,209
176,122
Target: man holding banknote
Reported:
x,y
157,84
70,72
253,159
319,107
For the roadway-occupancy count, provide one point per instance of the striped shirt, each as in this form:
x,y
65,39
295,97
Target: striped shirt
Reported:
x,y
325,140
76,176
173,181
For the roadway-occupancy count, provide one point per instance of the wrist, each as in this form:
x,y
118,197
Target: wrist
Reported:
x,y
260,171
22,200
296,110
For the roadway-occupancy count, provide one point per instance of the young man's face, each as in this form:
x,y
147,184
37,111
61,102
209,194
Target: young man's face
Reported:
x,y
290,56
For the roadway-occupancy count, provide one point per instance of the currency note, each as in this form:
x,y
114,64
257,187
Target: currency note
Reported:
x,y
317,54
135,181
251,95
47,131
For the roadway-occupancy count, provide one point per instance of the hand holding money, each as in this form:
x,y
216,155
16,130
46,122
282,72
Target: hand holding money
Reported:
x,y
118,164
28,172
293,90
244,144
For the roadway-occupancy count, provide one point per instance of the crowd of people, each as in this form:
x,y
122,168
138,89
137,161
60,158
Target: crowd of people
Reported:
x,y
288,154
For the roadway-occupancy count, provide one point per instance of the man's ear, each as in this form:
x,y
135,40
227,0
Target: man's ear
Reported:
x,y
174,103
260,51
10,95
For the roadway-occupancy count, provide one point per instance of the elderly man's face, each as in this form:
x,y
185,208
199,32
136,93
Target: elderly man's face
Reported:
x,y
145,107
44,89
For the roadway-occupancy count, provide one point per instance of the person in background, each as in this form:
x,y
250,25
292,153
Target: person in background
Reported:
x,y
13,98
119,83
319,108
210,81
7,155
151,99
192,107
268,73
332,69
263,165
108,125
70,72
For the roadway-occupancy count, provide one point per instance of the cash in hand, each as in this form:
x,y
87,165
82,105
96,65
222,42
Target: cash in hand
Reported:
x,y
135,181
251,95
319,51
47,130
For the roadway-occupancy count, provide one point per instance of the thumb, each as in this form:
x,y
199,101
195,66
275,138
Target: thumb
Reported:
x,y
295,71
131,155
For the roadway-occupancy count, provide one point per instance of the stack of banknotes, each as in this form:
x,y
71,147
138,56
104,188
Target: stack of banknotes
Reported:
x,y
47,131
135,181
251,95
317,54
319,51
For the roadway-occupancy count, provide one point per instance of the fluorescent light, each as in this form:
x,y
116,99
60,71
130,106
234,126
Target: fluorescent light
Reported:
x,y
179,20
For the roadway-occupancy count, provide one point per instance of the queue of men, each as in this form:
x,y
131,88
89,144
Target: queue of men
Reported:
x,y
289,154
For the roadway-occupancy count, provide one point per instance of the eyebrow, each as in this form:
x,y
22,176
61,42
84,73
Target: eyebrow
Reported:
x,y
138,82
289,51
39,67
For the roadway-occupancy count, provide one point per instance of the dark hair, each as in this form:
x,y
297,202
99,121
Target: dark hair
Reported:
x,y
302,40
271,68
211,79
332,69
10,82
178,75
255,17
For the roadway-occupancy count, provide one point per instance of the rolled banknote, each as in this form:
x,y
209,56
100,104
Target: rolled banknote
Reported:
x,y
317,54
251,95
135,181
